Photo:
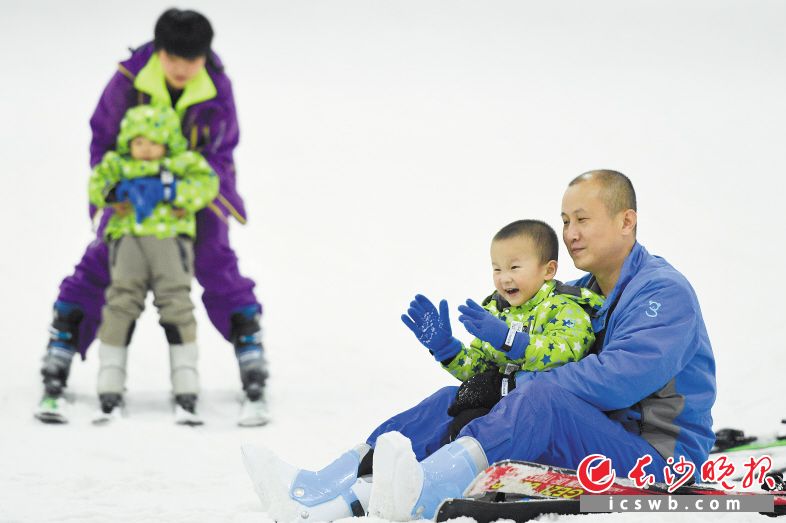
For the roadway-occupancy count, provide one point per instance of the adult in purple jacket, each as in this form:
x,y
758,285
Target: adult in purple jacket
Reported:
x,y
179,69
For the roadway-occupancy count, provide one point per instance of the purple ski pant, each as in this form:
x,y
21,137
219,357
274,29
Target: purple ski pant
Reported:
x,y
215,266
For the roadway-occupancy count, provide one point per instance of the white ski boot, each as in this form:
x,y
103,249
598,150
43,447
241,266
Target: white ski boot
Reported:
x,y
291,494
405,489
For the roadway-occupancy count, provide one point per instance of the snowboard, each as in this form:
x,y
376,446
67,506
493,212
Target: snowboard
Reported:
x,y
522,491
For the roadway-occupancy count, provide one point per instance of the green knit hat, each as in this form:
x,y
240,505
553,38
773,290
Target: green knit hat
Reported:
x,y
157,124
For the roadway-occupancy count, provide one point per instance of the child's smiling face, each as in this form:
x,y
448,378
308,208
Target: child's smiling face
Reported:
x,y
518,270
145,149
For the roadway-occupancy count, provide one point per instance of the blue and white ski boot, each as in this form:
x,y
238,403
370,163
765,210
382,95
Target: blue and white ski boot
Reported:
x,y
246,336
289,494
405,490
56,365
61,348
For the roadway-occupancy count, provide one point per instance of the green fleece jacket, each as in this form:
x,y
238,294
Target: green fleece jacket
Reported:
x,y
559,327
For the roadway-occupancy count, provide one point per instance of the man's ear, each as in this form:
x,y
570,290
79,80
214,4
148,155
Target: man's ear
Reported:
x,y
629,221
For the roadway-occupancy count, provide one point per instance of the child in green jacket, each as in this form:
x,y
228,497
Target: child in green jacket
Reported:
x,y
155,186
531,322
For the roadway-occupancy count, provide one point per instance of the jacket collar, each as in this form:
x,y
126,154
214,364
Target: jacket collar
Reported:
x,y
543,293
630,267
150,80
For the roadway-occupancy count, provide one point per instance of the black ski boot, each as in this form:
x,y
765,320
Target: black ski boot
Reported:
x,y
187,402
247,339
730,438
185,410
61,347
110,401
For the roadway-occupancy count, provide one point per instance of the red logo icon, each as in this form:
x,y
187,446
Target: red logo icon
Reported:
x,y
595,473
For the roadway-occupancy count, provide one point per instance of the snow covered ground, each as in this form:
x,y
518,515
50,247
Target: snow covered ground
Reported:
x,y
383,144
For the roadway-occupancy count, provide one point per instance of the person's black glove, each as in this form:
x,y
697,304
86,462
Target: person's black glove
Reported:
x,y
461,420
481,391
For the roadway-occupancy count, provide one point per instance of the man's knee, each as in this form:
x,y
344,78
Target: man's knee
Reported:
x,y
533,402
448,393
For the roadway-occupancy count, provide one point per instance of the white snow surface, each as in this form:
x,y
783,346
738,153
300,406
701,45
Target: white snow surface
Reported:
x,y
383,144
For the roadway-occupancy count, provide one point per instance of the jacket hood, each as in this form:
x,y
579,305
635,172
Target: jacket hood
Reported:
x,y
157,124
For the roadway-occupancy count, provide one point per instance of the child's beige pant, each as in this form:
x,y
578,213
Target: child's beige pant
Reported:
x,y
165,266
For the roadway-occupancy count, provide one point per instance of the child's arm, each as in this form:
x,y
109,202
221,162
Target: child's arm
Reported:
x,y
197,183
559,332
104,178
472,360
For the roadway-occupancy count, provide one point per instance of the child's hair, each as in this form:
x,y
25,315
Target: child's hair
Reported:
x,y
183,33
541,234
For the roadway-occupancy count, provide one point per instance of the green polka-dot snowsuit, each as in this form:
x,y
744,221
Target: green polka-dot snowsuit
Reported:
x,y
559,327
196,183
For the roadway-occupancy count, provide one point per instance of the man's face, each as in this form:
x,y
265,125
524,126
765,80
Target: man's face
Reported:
x,y
596,240
178,71
518,271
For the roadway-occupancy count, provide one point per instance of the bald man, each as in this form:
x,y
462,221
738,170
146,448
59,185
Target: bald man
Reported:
x,y
647,388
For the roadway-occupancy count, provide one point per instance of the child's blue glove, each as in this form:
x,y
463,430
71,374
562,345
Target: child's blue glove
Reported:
x,y
432,328
482,324
145,193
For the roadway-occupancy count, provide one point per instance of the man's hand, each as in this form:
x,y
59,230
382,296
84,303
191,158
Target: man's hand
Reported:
x,y
482,324
432,328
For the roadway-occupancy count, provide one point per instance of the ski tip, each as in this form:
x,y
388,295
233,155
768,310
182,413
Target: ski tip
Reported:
x,y
248,423
106,418
187,418
50,418
253,414
50,410
190,423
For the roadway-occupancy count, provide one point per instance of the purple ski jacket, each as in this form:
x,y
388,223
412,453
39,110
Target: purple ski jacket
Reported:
x,y
210,126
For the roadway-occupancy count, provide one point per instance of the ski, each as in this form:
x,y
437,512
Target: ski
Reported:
x,y
737,448
184,417
733,440
253,413
520,491
51,410
105,418
484,511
